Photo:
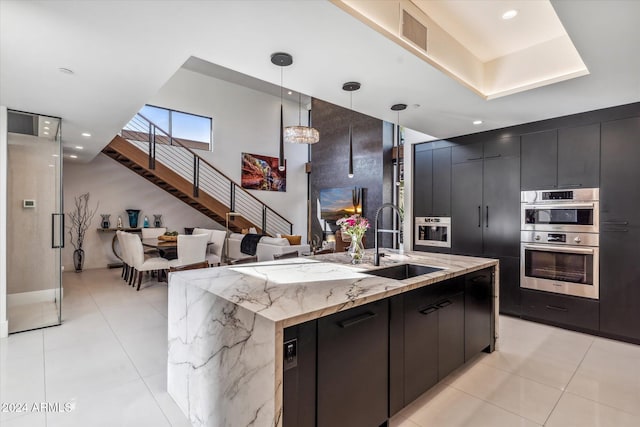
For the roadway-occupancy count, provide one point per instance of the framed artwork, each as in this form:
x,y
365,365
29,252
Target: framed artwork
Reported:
x,y
336,203
261,173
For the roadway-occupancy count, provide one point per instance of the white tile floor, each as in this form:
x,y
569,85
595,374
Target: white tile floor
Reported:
x,y
108,360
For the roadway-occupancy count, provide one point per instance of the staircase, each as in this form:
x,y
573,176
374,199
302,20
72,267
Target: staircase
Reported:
x,y
168,163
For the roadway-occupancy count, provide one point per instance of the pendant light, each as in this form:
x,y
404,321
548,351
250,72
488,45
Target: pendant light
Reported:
x,y
351,87
282,60
301,134
398,108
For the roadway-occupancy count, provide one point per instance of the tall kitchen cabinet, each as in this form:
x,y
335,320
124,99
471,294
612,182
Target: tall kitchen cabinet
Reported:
x,y
485,209
620,228
432,185
561,158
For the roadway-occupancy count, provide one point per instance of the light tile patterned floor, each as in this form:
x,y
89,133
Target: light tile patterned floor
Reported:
x,y
108,360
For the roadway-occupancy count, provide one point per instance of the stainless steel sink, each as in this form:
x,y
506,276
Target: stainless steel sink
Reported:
x,y
403,271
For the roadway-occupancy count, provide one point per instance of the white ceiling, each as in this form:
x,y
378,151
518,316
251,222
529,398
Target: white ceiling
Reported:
x,y
123,52
478,24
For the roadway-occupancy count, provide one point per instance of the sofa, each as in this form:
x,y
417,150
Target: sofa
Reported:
x,y
266,248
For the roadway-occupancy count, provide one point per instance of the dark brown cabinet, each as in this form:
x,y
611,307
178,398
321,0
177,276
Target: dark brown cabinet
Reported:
x,y
486,210
561,158
620,229
360,366
478,312
299,376
432,178
562,310
433,335
352,367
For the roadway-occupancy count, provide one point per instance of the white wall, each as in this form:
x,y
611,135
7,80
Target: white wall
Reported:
x,y
244,120
117,188
3,222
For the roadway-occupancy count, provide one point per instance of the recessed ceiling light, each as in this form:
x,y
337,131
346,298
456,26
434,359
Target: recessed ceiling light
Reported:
x,y
65,70
477,122
46,133
54,155
73,156
509,14
46,128
51,166
87,134
289,93
79,147
47,122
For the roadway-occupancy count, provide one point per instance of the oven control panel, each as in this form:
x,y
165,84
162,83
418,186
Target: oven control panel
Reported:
x,y
573,239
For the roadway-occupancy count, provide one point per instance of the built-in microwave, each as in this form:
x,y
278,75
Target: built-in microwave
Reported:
x,y
433,231
574,210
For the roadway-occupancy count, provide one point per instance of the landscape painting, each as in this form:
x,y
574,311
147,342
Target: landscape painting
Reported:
x,y
336,203
261,173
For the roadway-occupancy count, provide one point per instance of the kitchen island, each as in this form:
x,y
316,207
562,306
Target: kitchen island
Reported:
x,y
226,325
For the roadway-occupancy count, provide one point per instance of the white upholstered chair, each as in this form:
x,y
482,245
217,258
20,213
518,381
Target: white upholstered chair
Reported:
x,y
148,233
123,254
216,246
142,264
152,233
191,249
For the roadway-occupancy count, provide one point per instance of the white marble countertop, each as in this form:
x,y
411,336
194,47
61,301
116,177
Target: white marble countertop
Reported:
x,y
292,291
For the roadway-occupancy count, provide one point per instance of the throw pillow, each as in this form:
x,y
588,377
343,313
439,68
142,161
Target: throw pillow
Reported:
x,y
293,240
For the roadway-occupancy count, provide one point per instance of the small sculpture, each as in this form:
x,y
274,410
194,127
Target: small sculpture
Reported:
x,y
119,222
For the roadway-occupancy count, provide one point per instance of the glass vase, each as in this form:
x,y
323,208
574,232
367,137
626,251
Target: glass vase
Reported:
x,y
356,250
133,217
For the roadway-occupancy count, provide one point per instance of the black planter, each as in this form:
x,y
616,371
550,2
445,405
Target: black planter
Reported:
x,y
78,259
133,217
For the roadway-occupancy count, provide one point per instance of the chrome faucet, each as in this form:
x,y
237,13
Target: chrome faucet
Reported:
x,y
376,256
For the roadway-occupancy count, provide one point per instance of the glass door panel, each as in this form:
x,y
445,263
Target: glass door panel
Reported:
x,y
34,221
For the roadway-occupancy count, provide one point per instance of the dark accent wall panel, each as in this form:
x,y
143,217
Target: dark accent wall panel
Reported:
x,y
372,163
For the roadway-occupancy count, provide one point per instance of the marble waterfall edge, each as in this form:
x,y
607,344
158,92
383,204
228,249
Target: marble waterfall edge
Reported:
x,y
221,361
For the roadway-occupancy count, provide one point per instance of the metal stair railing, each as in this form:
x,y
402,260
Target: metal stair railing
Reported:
x,y
158,145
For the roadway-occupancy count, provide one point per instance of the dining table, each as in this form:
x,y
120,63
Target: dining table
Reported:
x,y
167,248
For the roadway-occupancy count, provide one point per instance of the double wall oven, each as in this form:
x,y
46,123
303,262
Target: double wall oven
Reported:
x,y
560,241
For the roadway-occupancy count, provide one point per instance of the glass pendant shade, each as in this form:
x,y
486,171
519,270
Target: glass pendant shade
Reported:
x,y
301,135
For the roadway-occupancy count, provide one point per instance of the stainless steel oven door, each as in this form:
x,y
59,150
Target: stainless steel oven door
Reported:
x,y
433,233
561,269
572,217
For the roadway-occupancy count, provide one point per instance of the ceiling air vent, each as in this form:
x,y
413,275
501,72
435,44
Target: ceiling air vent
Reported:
x,y
414,31
23,123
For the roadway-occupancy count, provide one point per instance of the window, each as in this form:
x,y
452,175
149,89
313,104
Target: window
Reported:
x,y
193,130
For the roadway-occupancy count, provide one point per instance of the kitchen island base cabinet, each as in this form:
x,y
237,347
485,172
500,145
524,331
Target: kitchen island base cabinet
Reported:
x,y
352,370
299,375
478,313
433,335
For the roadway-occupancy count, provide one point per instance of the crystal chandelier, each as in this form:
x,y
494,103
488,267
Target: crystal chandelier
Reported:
x,y
301,134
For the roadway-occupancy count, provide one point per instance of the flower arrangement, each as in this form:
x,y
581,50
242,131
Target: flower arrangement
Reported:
x,y
354,225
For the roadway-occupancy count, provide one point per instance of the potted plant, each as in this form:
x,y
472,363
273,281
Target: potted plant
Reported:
x,y
80,220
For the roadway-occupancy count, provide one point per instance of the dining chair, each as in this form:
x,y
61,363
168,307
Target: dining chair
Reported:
x,y
192,248
142,264
123,255
216,244
292,254
152,233
127,256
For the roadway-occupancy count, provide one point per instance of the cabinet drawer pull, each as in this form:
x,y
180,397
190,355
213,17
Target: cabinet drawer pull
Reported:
x,y
479,216
487,220
571,185
443,304
614,223
619,230
428,310
475,158
553,307
357,319
493,157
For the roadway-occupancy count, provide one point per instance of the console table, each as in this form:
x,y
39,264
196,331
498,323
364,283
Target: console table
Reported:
x,y
115,240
